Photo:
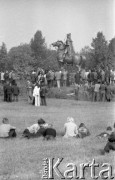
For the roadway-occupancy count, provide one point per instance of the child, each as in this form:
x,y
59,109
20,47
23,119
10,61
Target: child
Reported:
x,y
70,128
6,130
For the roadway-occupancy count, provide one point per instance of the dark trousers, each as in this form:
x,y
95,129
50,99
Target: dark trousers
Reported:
x,y
109,146
43,101
5,96
9,97
15,97
12,133
49,134
29,135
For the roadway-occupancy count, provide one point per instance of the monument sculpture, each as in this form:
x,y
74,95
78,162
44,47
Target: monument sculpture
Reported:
x,y
66,53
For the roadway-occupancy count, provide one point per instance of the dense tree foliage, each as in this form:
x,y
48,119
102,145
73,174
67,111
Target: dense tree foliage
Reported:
x,y
3,57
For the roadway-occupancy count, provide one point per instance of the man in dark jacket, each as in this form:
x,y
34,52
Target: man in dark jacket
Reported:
x,y
15,91
5,90
43,92
9,93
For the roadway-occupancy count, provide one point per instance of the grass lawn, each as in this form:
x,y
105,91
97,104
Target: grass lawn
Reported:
x,y
21,159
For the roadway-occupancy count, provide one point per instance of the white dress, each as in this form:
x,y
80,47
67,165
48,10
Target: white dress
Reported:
x,y
36,94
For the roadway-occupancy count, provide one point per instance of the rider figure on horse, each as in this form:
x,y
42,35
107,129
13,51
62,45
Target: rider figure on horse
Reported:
x,y
69,47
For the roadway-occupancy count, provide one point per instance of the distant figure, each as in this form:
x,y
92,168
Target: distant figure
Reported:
x,y
58,78
6,84
70,128
6,130
96,91
2,77
9,92
36,94
29,91
108,92
15,91
43,92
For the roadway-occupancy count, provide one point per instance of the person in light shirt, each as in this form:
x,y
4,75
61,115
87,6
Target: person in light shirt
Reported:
x,y
32,131
96,91
36,94
70,128
6,130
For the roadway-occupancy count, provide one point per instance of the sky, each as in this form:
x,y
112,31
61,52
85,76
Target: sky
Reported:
x,y
20,19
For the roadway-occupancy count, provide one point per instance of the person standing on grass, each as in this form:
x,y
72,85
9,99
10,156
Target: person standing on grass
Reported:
x,y
29,91
76,90
108,92
36,94
9,92
2,77
15,92
64,72
58,75
5,90
70,128
96,91
43,92
102,91
6,130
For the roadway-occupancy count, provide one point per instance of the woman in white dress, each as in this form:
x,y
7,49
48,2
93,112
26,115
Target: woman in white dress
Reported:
x,y
36,94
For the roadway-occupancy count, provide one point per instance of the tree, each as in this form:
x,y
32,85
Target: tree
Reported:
x,y
21,59
38,46
3,57
100,49
112,51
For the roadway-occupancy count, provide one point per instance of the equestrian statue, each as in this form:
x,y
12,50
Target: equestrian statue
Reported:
x,y
66,53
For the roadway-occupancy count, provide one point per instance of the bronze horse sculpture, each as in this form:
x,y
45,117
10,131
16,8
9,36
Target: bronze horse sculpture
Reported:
x,y
66,54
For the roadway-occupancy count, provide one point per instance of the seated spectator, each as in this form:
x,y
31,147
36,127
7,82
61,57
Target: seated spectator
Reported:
x,y
32,130
47,131
83,131
6,130
70,128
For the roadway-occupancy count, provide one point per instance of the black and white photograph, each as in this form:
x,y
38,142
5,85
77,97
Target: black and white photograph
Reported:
x,y
57,89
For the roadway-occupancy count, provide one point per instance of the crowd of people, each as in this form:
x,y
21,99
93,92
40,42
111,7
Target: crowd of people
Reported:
x,y
94,84
48,132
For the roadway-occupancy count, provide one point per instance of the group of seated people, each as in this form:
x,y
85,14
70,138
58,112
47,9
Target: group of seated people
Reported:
x,y
45,130
41,128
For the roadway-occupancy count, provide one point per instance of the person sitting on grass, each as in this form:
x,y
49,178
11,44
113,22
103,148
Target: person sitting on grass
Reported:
x,y
6,130
47,131
110,144
83,131
33,129
40,129
70,128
